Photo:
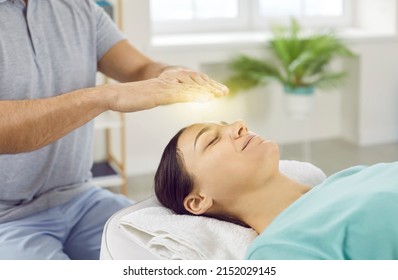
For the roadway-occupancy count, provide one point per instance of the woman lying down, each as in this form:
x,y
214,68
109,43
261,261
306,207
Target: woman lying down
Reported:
x,y
226,172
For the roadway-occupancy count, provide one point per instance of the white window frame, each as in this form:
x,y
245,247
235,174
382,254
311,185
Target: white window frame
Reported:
x,y
205,25
248,20
346,20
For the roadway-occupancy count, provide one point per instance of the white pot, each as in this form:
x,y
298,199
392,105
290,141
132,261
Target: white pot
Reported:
x,y
299,102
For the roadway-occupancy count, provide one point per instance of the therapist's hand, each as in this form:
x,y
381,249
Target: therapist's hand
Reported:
x,y
194,78
173,86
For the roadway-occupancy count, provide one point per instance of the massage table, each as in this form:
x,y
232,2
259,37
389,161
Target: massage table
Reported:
x,y
115,245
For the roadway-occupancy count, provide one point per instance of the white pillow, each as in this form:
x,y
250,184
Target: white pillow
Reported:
x,y
303,172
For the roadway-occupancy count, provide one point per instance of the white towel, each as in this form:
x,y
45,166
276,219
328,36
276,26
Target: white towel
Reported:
x,y
171,236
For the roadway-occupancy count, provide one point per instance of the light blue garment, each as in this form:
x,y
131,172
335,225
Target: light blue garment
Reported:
x,y
70,231
351,215
47,49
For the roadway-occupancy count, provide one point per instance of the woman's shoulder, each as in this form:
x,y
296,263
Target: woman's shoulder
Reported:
x,y
366,173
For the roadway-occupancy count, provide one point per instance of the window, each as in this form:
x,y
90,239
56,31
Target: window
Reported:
x,y
301,8
173,16
193,9
311,13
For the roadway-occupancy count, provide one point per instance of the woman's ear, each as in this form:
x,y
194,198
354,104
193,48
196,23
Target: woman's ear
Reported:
x,y
197,204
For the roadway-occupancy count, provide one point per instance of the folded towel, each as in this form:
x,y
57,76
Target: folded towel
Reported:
x,y
171,236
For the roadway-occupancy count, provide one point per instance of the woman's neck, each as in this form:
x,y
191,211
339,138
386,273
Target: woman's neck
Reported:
x,y
265,204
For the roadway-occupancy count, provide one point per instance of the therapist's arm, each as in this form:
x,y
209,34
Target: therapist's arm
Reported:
x,y
27,125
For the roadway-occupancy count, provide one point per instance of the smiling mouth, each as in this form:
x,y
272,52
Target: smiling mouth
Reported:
x,y
249,138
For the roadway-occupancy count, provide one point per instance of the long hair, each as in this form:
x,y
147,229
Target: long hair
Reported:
x,y
173,182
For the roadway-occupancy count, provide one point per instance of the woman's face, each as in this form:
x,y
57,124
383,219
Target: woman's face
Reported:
x,y
226,159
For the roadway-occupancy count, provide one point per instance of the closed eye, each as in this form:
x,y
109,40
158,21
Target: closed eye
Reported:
x,y
212,141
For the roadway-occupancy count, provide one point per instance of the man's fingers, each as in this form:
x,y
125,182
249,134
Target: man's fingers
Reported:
x,y
191,78
216,88
222,88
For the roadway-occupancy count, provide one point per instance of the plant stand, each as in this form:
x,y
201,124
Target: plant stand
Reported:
x,y
300,105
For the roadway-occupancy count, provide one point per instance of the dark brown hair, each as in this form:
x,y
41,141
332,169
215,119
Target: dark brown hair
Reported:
x,y
173,182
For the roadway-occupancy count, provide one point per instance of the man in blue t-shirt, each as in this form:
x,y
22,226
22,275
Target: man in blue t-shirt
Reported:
x,y
50,52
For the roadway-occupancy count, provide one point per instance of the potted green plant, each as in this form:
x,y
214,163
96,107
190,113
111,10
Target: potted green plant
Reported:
x,y
300,63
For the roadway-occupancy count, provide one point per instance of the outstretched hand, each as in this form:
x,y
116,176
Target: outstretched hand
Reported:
x,y
194,78
176,85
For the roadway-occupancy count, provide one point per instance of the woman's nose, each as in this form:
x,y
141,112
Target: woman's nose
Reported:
x,y
238,129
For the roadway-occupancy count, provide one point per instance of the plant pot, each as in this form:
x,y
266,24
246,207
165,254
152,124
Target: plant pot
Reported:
x,y
299,101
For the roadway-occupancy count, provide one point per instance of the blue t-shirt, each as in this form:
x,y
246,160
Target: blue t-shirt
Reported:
x,y
351,215
49,48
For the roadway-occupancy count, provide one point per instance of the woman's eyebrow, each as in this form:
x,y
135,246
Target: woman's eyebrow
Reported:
x,y
203,130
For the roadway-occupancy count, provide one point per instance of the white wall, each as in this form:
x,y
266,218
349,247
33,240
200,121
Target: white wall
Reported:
x,y
378,85
364,111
